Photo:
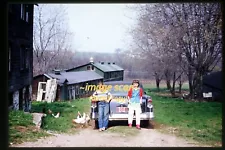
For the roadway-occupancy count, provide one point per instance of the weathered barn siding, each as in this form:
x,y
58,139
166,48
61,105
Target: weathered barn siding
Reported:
x,y
20,56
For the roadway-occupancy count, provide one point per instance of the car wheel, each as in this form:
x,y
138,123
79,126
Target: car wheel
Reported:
x,y
96,124
145,123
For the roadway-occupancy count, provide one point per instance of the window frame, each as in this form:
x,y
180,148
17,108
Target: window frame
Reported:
x,y
24,13
10,57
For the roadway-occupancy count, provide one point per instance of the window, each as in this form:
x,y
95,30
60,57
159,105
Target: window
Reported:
x,y
9,57
24,14
92,67
24,58
27,16
88,68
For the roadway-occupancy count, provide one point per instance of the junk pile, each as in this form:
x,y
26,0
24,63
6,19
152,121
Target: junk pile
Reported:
x,y
49,94
82,120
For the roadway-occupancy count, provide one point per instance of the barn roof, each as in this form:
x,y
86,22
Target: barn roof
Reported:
x,y
103,66
76,77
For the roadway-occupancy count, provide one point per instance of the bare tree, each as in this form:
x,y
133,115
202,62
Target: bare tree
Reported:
x,y
51,36
191,30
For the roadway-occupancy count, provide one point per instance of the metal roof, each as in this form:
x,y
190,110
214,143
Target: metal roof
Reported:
x,y
76,77
103,67
107,67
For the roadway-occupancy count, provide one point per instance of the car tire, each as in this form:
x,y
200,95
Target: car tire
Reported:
x,y
96,124
148,124
145,123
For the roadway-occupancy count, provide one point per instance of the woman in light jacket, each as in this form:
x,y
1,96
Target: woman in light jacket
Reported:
x,y
134,103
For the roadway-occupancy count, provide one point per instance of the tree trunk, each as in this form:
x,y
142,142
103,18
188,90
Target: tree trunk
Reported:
x,y
157,80
172,90
190,81
180,85
198,85
157,84
167,80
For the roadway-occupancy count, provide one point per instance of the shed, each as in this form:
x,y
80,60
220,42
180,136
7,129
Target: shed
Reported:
x,y
213,83
71,85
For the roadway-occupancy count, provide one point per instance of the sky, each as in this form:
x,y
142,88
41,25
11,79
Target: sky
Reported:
x,y
100,27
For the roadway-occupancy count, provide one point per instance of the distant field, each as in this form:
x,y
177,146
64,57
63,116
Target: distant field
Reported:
x,y
152,85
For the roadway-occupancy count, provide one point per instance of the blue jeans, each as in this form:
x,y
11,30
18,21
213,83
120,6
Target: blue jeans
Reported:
x,y
103,114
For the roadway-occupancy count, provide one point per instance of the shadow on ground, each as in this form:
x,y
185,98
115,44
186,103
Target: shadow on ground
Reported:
x,y
144,124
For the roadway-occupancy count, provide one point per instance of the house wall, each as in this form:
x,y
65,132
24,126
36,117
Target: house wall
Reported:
x,y
113,76
20,56
74,91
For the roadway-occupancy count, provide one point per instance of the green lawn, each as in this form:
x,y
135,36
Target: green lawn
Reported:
x,y
22,129
199,121
68,111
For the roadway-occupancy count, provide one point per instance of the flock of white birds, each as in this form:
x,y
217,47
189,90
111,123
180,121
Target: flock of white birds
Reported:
x,y
82,119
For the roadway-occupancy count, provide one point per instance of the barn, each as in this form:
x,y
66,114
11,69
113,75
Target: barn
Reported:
x,y
110,71
70,85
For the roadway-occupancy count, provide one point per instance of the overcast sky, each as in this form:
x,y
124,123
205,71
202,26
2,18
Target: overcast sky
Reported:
x,y
100,27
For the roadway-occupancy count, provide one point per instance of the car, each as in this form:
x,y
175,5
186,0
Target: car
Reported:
x,y
118,106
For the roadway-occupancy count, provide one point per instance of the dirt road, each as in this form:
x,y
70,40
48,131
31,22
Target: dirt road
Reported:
x,y
93,138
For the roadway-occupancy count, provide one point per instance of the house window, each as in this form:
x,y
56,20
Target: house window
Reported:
x,y
24,14
24,58
9,58
92,67
88,68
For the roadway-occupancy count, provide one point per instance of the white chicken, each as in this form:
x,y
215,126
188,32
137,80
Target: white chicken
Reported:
x,y
81,119
57,115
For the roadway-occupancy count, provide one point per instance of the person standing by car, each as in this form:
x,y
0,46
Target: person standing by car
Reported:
x,y
134,103
103,106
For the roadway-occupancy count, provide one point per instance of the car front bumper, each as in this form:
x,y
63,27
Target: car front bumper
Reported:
x,y
144,116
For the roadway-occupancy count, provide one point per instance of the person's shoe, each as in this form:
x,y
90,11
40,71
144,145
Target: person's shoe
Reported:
x,y
138,127
103,129
130,125
100,129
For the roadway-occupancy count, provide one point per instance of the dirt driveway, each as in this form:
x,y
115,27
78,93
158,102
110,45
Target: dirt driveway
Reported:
x,y
93,138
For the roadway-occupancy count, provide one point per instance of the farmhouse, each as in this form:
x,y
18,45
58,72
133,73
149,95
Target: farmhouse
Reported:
x,y
70,85
108,70
20,54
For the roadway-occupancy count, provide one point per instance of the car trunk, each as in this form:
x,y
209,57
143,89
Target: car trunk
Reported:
x,y
116,107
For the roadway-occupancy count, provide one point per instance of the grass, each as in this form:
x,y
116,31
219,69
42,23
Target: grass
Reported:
x,y
21,128
68,111
198,121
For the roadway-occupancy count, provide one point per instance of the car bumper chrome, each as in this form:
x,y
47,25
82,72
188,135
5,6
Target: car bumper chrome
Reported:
x,y
144,116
